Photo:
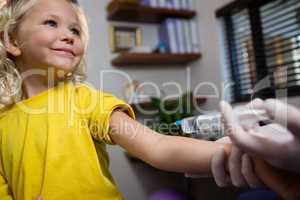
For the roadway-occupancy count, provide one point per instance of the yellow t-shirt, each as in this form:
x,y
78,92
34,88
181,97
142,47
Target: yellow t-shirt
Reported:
x,y
53,145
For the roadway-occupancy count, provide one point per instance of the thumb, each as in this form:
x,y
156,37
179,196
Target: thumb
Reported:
x,y
231,123
39,198
238,136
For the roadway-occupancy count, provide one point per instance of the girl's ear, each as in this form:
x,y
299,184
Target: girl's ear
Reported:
x,y
11,45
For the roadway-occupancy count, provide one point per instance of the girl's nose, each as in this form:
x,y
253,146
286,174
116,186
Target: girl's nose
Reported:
x,y
68,37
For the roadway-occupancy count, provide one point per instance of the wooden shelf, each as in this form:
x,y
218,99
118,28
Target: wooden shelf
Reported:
x,y
148,105
124,59
127,12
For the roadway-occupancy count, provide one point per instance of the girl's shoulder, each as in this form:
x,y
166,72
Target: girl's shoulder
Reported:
x,y
87,96
87,89
7,114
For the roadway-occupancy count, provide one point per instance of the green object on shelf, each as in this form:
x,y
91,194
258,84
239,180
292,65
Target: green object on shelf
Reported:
x,y
171,111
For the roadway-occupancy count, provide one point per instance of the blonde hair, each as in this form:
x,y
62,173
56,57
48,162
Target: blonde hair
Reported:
x,y
10,78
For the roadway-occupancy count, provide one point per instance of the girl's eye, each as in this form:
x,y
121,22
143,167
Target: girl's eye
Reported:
x,y
75,31
50,22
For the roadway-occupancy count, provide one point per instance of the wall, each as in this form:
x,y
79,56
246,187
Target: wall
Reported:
x,y
206,74
208,69
99,55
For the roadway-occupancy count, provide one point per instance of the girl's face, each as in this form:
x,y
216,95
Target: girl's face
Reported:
x,y
49,36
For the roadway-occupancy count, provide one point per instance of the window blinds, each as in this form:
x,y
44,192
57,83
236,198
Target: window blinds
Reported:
x,y
281,32
262,41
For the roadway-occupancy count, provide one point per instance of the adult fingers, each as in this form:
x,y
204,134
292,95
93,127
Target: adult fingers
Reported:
x,y
248,172
235,166
236,133
268,143
284,114
218,163
259,142
231,123
256,104
218,167
280,112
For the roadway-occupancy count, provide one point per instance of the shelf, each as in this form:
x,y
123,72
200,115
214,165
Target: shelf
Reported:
x,y
124,59
148,105
126,12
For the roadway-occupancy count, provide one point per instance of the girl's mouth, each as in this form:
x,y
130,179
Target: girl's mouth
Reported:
x,y
65,51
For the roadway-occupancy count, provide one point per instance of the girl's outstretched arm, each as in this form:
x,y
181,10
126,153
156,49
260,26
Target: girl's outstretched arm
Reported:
x,y
171,153
179,154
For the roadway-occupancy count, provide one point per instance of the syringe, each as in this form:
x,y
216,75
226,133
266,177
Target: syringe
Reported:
x,y
210,126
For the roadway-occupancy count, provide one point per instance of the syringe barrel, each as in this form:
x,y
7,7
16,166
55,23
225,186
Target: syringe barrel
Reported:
x,y
211,127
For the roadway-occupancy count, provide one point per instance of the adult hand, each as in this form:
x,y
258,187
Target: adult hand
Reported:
x,y
237,169
277,143
220,177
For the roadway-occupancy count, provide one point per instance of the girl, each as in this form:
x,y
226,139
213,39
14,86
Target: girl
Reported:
x,y
53,127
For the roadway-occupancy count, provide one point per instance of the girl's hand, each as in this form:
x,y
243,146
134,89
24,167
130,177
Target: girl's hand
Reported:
x,y
39,198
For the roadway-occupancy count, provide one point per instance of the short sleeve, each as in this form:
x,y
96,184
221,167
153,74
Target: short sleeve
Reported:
x,y
100,116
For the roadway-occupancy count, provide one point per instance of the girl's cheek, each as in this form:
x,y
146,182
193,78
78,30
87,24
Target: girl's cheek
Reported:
x,y
81,50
